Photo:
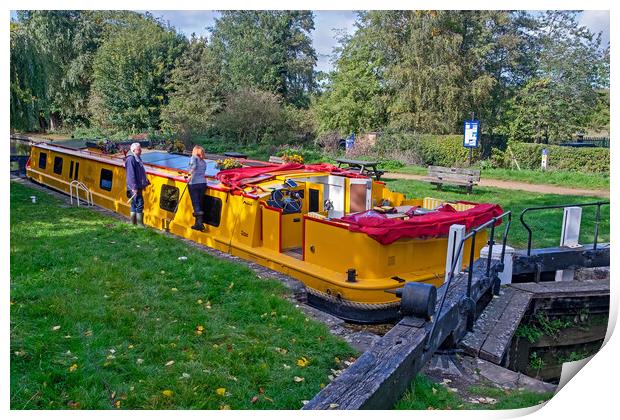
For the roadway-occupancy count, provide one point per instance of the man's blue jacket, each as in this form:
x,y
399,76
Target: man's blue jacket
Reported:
x,y
136,174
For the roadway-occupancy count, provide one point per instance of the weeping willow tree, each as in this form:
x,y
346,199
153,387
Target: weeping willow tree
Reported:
x,y
29,91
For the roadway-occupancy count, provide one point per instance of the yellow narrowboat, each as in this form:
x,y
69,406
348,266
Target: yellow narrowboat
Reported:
x,y
315,223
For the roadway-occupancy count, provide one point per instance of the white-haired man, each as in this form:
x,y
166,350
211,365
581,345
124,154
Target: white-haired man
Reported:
x,y
136,182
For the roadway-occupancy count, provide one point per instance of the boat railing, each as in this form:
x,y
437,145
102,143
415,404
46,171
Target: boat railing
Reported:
x,y
76,186
470,272
597,220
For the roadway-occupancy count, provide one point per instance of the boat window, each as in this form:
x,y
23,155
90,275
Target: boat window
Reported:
x,y
105,180
71,170
169,197
42,160
77,170
213,210
58,165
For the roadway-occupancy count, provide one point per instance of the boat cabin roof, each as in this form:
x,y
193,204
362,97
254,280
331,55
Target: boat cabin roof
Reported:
x,y
176,165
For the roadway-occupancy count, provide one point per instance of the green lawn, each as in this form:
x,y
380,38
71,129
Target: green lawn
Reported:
x,y
105,315
560,178
546,225
424,394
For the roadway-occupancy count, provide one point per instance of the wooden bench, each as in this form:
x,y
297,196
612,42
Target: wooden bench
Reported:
x,y
439,175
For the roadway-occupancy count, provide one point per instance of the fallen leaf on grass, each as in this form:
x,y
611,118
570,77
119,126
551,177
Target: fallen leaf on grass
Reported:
x,y
185,376
73,368
174,289
303,362
55,327
182,258
140,361
167,393
298,379
220,391
224,407
254,399
88,333
73,404
281,350
304,402
199,329
170,363
286,366
199,301
117,403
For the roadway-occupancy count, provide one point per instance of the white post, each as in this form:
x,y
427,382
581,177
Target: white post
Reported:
x,y
544,159
454,239
570,238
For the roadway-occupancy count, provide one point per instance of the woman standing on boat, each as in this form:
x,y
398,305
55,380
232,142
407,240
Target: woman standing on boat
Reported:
x,y
197,185
136,182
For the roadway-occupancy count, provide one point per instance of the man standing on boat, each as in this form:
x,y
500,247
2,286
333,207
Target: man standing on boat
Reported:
x,y
136,182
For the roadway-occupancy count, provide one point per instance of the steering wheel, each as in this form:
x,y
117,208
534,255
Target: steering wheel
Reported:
x,y
288,201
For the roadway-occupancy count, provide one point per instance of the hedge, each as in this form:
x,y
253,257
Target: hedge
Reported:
x,y
528,155
448,150
438,150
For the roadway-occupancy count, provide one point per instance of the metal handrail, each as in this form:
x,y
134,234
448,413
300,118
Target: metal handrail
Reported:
x,y
472,234
598,205
87,192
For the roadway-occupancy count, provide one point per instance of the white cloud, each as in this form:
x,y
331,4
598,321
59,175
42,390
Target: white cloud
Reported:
x,y
188,21
597,21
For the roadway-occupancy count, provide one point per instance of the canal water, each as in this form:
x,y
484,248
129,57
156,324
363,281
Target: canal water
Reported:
x,y
20,150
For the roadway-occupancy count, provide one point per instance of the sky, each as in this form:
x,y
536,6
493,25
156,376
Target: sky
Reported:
x,y
328,23
326,26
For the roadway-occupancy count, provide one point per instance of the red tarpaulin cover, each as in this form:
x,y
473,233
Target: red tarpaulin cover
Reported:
x,y
234,178
386,231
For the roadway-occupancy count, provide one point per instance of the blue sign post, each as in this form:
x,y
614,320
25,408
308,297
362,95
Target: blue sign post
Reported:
x,y
471,134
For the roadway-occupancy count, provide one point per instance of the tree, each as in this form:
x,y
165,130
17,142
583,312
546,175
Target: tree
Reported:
x,y
570,65
353,99
65,42
195,91
254,116
131,70
267,50
425,71
29,92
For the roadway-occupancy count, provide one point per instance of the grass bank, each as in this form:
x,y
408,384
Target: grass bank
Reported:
x,y
424,395
105,316
546,225
561,178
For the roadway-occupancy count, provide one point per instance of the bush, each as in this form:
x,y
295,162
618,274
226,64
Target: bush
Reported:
x,y
252,116
438,150
528,155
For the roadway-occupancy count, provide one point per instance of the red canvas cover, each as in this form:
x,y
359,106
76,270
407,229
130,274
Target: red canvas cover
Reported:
x,y
235,178
386,231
